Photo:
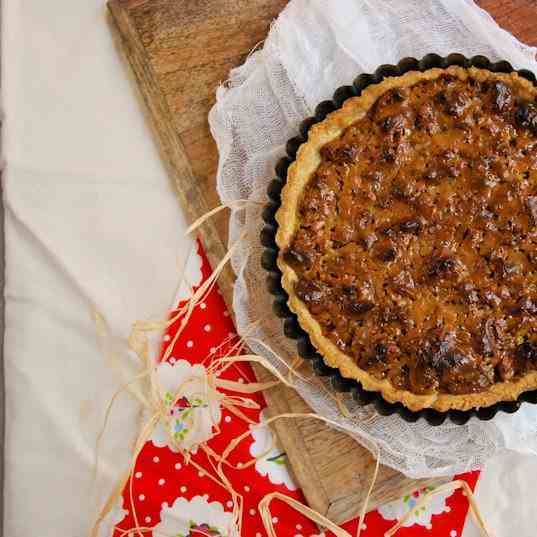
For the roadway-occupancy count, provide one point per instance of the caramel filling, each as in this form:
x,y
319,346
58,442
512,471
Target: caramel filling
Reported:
x,y
416,244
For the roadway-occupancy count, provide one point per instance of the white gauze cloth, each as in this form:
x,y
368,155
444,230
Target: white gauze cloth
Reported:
x,y
314,47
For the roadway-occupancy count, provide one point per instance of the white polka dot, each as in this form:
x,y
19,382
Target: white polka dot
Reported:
x,y
229,503
246,488
227,419
226,313
167,337
258,534
178,466
141,497
232,334
252,512
137,475
299,535
298,527
161,481
156,459
189,343
275,519
212,350
147,519
239,465
164,505
207,328
201,474
172,360
241,380
447,509
183,489
428,527
452,533
203,306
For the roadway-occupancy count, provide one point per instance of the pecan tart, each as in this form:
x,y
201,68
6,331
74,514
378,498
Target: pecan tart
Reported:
x,y
408,238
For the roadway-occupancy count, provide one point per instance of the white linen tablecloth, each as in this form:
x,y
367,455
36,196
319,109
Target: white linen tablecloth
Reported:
x,y
92,224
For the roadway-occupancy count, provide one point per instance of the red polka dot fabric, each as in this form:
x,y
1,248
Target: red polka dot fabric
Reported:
x,y
172,497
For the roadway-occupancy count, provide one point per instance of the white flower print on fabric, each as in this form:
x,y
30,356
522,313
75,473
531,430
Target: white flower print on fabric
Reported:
x,y
114,517
196,412
274,463
192,275
185,517
397,509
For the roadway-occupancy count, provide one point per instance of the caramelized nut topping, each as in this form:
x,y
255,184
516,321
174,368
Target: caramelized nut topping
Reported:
x,y
416,243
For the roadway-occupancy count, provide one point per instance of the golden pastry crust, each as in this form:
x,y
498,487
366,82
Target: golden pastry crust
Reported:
x,y
301,171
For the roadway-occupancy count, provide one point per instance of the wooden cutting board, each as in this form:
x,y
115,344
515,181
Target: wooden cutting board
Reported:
x,y
179,51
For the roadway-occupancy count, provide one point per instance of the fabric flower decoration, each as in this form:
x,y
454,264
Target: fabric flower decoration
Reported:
x,y
396,510
193,406
271,459
186,518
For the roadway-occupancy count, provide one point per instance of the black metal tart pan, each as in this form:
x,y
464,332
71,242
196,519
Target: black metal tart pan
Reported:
x,y
291,326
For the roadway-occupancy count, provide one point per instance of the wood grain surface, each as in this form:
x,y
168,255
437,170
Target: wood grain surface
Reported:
x,y
516,16
179,51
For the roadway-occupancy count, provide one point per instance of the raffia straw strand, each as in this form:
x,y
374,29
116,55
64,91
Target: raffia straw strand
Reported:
x,y
237,204
266,516
369,491
116,493
241,465
146,529
252,387
244,402
107,417
102,331
153,325
237,507
144,435
235,348
196,297
107,507
338,397
182,274
288,415
292,370
239,344
257,359
210,453
238,413
453,485
279,358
